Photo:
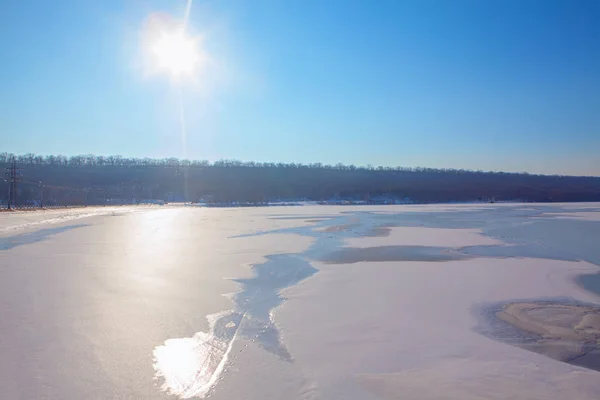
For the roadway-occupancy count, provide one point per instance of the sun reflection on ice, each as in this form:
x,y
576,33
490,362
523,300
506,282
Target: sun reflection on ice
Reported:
x,y
191,366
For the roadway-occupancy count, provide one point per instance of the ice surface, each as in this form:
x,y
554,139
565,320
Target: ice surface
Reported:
x,y
191,366
417,236
22,220
94,306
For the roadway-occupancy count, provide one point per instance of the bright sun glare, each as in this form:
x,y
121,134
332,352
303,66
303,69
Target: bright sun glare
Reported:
x,y
176,53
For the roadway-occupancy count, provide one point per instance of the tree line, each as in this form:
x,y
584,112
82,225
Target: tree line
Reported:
x,y
90,179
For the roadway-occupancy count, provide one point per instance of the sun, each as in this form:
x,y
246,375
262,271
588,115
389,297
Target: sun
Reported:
x,y
176,53
171,47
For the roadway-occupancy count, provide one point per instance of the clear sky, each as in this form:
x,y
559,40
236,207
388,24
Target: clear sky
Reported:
x,y
483,84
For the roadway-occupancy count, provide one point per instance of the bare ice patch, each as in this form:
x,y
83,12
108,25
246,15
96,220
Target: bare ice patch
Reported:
x,y
563,329
350,255
421,236
190,367
7,243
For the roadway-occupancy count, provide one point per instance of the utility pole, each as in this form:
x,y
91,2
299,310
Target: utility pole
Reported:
x,y
12,178
41,195
9,179
9,184
13,174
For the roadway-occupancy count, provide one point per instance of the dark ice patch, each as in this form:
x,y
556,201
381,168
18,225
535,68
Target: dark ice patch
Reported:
x,y
261,294
350,255
10,242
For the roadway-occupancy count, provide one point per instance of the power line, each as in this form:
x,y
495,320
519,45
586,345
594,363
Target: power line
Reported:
x,y
61,187
13,175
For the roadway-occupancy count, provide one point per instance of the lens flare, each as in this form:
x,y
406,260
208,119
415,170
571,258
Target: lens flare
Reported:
x,y
170,49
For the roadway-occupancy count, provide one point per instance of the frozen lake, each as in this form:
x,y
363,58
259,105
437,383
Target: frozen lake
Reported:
x,y
311,302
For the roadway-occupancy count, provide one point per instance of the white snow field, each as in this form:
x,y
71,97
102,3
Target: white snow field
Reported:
x,y
307,302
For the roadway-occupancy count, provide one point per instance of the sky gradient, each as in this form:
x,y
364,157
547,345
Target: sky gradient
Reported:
x,y
509,85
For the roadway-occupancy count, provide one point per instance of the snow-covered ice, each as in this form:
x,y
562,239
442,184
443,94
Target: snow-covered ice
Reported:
x,y
28,219
312,302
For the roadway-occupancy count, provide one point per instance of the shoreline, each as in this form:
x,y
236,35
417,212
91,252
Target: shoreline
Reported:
x,y
31,209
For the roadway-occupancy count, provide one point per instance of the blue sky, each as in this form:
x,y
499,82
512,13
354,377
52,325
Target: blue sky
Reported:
x,y
508,85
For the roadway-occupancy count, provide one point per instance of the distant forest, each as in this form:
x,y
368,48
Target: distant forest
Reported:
x,y
89,179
